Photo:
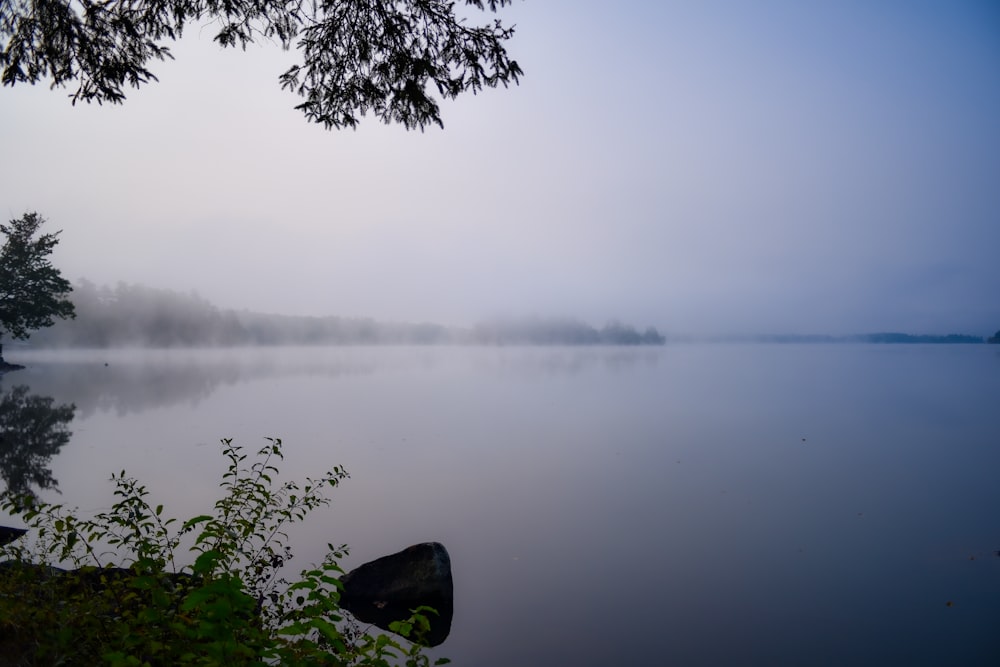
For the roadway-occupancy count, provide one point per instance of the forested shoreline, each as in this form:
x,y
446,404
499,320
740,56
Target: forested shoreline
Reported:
x,y
138,316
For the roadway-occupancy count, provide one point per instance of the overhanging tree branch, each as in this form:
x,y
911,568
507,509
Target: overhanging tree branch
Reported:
x,y
387,58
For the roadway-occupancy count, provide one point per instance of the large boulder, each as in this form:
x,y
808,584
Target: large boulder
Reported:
x,y
389,588
8,534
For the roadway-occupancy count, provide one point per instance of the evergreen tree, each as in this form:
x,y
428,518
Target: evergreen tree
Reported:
x,y
32,291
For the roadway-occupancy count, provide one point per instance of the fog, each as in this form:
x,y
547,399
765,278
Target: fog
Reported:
x,y
715,504
704,168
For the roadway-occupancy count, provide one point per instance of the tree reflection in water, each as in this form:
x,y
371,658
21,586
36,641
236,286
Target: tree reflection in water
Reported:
x,y
32,431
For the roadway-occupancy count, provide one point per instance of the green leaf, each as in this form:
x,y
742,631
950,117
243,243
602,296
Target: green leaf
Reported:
x,y
328,630
306,583
195,521
402,628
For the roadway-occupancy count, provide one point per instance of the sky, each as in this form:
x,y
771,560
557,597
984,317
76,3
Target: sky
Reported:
x,y
701,167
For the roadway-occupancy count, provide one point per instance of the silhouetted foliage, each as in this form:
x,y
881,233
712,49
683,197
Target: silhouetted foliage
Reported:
x,y
358,56
995,338
32,291
32,431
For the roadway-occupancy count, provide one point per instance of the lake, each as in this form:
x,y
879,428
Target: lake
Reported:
x,y
692,504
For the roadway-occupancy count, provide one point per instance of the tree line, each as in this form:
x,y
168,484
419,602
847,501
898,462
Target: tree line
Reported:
x,y
541,331
138,316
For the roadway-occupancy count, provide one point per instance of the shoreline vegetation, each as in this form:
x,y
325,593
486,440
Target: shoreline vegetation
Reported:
x,y
139,316
130,586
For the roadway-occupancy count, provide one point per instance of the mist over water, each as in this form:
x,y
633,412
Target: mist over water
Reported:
x,y
704,171
704,168
689,504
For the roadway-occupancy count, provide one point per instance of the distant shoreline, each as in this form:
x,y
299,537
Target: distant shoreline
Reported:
x,y
860,339
134,316
881,338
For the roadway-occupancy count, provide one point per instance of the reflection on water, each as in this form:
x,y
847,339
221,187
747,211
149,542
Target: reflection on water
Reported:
x,y
32,430
690,505
131,381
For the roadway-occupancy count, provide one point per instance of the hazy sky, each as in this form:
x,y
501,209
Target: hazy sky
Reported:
x,y
702,167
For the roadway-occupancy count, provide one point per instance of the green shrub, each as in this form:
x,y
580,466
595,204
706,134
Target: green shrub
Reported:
x,y
130,600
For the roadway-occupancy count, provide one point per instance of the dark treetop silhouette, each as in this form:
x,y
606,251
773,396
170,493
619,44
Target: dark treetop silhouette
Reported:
x,y
358,56
32,291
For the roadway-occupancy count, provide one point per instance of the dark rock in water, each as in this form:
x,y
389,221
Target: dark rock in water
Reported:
x,y
8,535
417,572
387,589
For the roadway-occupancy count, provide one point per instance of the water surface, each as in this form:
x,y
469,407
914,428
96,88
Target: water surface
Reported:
x,y
688,505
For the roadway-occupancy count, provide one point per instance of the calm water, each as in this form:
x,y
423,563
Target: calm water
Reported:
x,y
685,505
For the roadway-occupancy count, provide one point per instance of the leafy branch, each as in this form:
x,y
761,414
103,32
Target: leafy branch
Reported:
x,y
231,606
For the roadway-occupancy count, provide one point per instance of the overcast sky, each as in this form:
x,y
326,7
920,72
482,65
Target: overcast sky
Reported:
x,y
702,167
